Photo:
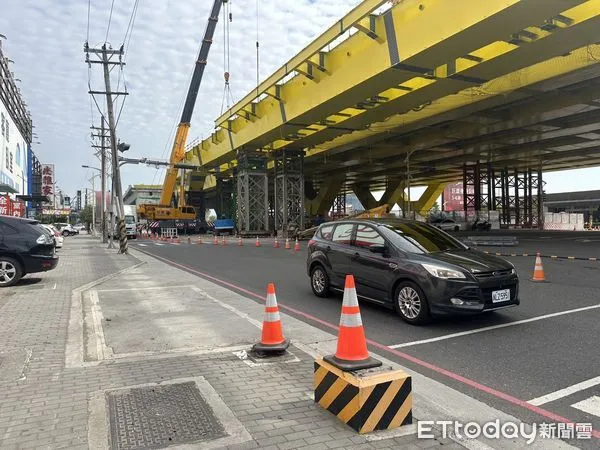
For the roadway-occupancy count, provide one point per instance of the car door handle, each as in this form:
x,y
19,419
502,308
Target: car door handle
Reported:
x,y
393,266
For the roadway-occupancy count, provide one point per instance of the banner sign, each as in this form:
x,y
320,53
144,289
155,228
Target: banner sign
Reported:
x,y
48,180
9,207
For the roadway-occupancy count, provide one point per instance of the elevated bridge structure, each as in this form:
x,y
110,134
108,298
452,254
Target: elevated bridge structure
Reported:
x,y
415,92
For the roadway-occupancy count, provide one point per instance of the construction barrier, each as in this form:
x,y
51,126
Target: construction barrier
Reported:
x,y
272,341
355,387
538,271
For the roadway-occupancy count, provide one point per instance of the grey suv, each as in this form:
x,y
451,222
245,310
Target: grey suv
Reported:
x,y
411,266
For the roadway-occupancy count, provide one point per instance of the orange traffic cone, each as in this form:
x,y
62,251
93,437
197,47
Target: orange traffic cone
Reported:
x,y
351,353
199,241
240,242
272,341
287,243
189,240
216,240
297,246
223,241
538,271
257,242
276,243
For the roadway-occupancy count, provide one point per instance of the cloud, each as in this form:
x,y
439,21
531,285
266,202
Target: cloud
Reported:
x,y
45,39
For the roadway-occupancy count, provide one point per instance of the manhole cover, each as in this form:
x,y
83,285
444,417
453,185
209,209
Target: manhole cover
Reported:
x,y
160,416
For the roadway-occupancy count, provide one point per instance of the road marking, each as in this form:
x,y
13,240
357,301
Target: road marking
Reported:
x,y
493,327
564,392
143,245
590,405
405,356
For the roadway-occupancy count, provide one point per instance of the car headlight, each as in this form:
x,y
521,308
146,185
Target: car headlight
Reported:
x,y
443,272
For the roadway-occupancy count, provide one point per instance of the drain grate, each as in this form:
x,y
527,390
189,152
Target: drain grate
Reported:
x,y
160,416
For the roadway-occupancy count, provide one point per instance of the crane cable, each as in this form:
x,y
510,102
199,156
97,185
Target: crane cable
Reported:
x,y
257,53
227,18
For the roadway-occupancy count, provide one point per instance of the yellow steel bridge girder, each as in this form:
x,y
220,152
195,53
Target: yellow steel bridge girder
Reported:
x,y
361,67
580,58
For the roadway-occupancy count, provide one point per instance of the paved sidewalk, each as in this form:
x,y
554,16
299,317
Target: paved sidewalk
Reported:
x,y
128,350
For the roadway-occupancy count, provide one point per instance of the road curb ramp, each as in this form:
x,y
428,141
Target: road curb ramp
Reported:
x,y
538,271
272,341
355,387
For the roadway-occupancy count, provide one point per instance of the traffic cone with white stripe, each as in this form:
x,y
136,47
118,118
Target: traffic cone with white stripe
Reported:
x,y
538,271
240,242
216,240
257,242
223,241
276,243
272,341
287,243
296,246
351,353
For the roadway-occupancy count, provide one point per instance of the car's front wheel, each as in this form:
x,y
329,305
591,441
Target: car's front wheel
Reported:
x,y
319,281
410,303
10,271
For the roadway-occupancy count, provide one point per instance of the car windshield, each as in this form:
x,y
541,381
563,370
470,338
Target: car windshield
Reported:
x,y
417,237
129,220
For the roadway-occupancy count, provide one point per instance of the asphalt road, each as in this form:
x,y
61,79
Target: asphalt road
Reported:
x,y
524,360
563,244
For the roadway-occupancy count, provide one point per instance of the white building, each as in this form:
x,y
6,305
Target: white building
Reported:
x,y
15,135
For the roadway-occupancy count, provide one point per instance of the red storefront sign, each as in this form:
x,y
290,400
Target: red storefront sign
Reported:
x,y
5,205
11,208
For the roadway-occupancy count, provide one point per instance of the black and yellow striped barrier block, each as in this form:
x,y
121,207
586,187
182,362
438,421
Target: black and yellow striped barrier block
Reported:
x,y
571,258
379,400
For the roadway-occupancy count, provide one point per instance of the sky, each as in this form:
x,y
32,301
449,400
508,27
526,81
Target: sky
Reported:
x,y
45,39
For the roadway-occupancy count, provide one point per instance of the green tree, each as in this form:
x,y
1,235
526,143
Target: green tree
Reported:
x,y
86,216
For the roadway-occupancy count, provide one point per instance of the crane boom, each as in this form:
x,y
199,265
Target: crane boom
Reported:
x,y
178,150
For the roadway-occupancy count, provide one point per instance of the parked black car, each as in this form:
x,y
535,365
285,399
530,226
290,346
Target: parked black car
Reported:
x,y
25,247
411,266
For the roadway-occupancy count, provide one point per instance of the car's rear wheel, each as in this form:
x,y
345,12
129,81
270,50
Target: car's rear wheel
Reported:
x,y
10,271
319,281
410,303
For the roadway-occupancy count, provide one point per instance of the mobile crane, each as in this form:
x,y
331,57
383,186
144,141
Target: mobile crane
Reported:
x,y
165,209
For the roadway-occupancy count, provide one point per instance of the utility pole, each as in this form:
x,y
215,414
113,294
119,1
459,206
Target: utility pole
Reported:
x,y
102,136
106,56
93,180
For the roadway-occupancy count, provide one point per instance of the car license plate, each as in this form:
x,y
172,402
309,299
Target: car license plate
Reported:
x,y
501,296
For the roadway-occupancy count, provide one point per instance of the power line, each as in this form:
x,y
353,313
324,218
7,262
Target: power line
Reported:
x,y
109,19
130,26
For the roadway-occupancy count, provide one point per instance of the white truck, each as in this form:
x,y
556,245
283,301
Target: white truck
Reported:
x,y
130,222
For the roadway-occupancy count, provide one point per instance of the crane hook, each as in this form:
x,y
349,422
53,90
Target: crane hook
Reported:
x,y
226,77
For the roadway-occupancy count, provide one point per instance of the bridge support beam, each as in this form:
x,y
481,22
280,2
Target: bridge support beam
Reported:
x,y
289,189
252,193
195,196
394,193
224,201
515,194
364,195
320,203
428,198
